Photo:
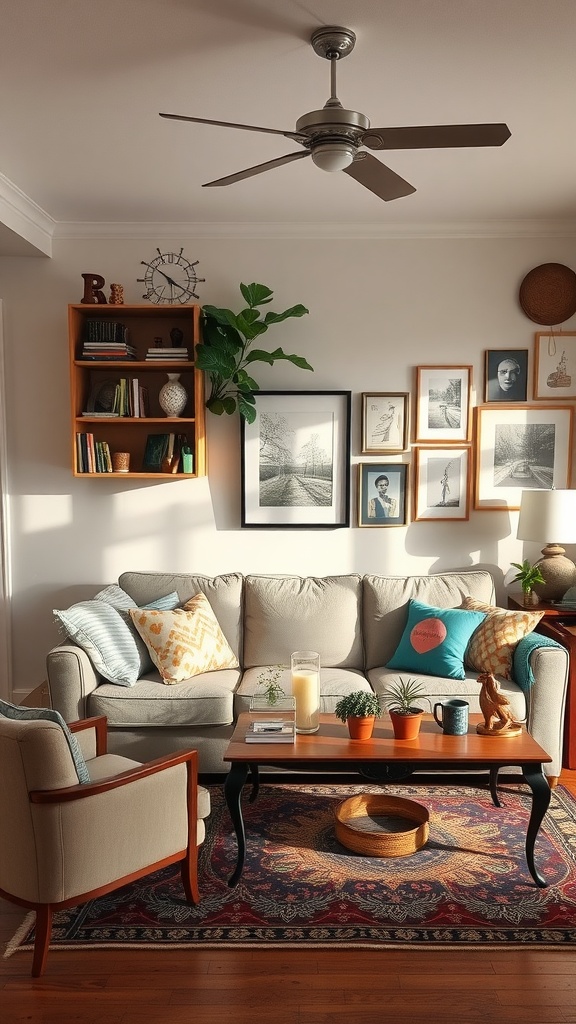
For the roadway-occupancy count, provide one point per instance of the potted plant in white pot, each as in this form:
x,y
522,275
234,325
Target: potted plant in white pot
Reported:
x,y
359,710
402,701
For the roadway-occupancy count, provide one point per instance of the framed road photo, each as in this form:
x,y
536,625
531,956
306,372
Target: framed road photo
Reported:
x,y
443,404
555,366
384,422
296,460
506,375
382,494
442,486
521,449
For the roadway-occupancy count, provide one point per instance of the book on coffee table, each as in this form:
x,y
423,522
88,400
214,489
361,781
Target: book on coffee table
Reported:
x,y
273,730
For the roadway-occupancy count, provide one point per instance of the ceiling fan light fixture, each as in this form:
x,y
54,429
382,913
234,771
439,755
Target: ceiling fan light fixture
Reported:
x,y
333,156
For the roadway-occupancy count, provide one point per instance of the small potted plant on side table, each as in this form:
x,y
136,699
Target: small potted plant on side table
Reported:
x,y
359,710
527,576
405,714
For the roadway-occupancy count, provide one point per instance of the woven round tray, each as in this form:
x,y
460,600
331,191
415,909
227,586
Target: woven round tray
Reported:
x,y
377,825
548,294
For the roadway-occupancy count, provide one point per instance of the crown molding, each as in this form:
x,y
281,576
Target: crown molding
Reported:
x,y
22,216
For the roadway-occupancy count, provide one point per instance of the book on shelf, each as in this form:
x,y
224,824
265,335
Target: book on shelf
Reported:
x,y
103,329
154,452
101,415
271,730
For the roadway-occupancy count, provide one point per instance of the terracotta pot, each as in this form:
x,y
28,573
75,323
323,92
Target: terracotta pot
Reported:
x,y
406,727
361,728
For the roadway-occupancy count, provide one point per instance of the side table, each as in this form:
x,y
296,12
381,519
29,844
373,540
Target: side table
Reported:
x,y
560,625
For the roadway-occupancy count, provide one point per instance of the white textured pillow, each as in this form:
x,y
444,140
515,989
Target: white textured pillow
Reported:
x,y
102,631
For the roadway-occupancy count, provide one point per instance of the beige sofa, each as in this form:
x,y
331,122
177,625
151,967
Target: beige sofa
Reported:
x,y
355,622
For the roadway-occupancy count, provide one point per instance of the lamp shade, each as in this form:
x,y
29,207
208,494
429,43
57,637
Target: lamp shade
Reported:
x,y
548,515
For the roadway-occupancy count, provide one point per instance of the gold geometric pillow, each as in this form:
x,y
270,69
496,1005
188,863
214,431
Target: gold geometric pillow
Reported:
x,y
492,645
186,641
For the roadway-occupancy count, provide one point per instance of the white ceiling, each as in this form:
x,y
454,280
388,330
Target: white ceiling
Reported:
x,y
82,82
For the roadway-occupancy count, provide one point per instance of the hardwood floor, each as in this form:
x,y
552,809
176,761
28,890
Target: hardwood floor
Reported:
x,y
288,986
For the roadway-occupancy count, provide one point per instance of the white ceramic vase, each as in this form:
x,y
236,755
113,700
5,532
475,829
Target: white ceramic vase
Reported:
x,y
173,396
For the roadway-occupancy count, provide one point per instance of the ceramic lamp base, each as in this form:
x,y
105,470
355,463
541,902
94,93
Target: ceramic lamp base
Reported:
x,y
558,571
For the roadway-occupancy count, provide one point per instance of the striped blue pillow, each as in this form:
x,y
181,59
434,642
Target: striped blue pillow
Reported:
x,y
17,712
101,630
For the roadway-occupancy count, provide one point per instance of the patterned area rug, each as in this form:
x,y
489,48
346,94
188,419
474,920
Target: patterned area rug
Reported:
x,y
468,885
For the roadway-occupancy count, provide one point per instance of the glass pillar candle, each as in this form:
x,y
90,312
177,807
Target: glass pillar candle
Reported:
x,y
305,666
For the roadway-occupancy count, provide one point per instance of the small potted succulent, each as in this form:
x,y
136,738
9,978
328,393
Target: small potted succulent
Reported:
x,y
359,710
401,699
527,576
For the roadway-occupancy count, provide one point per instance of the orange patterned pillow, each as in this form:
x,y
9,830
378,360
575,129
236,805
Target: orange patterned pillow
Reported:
x,y
186,641
492,645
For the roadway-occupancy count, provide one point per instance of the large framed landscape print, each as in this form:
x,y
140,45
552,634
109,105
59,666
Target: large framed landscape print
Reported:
x,y
521,449
295,460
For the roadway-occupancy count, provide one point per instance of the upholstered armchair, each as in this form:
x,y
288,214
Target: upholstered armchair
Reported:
x,y
64,841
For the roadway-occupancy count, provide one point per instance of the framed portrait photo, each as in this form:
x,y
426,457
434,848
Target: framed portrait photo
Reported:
x,y
295,460
442,483
443,404
521,449
382,494
555,365
506,375
384,422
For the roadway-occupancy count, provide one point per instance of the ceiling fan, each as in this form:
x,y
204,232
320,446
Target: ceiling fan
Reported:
x,y
333,136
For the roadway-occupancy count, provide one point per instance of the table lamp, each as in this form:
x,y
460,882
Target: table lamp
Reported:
x,y
550,515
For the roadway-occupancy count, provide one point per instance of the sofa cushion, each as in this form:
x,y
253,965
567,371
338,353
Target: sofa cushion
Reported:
x,y
385,604
434,640
492,646
206,700
223,592
291,613
186,641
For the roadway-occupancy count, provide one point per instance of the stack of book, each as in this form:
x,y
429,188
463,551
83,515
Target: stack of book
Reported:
x,y
108,351
92,456
106,339
271,730
169,355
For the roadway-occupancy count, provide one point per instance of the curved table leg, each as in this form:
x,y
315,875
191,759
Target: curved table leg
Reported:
x,y
541,793
494,786
255,779
232,792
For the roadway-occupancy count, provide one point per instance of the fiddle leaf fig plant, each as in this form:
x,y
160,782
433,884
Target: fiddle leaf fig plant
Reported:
x,y
227,355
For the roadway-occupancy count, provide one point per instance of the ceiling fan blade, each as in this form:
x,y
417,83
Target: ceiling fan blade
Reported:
x,y
439,136
232,124
379,178
257,169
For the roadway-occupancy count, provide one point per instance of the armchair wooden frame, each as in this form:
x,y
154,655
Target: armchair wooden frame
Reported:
x,y
188,857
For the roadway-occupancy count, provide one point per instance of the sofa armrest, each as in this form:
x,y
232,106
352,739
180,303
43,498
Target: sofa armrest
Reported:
x,y
71,678
545,687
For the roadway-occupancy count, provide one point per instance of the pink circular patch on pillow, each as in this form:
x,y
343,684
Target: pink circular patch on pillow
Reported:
x,y
427,634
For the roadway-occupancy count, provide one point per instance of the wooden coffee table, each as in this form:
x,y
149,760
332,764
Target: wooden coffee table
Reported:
x,y
331,750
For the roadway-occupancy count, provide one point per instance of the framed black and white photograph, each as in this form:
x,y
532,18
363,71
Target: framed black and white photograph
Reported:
x,y
521,449
442,483
443,404
296,460
384,422
555,366
382,494
506,375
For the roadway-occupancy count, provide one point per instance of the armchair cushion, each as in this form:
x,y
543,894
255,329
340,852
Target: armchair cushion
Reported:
x,y
17,713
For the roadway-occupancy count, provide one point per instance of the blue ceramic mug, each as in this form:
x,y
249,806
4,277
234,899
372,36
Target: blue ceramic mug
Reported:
x,y
453,718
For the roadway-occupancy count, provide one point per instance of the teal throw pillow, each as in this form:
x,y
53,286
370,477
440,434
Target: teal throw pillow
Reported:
x,y
18,713
434,640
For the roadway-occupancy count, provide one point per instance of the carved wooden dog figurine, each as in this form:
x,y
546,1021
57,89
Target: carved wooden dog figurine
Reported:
x,y
495,706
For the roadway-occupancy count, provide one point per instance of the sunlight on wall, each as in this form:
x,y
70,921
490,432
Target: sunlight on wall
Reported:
x,y
52,513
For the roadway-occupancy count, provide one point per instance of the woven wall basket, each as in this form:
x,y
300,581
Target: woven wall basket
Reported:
x,y
548,294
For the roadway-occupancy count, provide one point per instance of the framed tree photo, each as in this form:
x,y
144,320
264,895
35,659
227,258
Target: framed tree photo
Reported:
x,y
555,365
382,494
521,449
384,422
295,460
443,404
442,485
506,375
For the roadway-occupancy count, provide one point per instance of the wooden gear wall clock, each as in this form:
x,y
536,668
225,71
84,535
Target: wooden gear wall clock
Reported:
x,y
170,278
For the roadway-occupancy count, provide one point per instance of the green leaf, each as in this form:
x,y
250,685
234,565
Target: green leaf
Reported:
x,y
256,294
245,382
219,335
229,404
217,361
222,315
215,405
260,355
276,318
250,330
249,315
246,409
278,353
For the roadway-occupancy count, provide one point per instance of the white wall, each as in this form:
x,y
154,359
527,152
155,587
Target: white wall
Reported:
x,y
378,308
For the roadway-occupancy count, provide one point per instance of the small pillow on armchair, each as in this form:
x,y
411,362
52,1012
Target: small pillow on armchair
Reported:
x,y
434,640
18,713
492,646
186,641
